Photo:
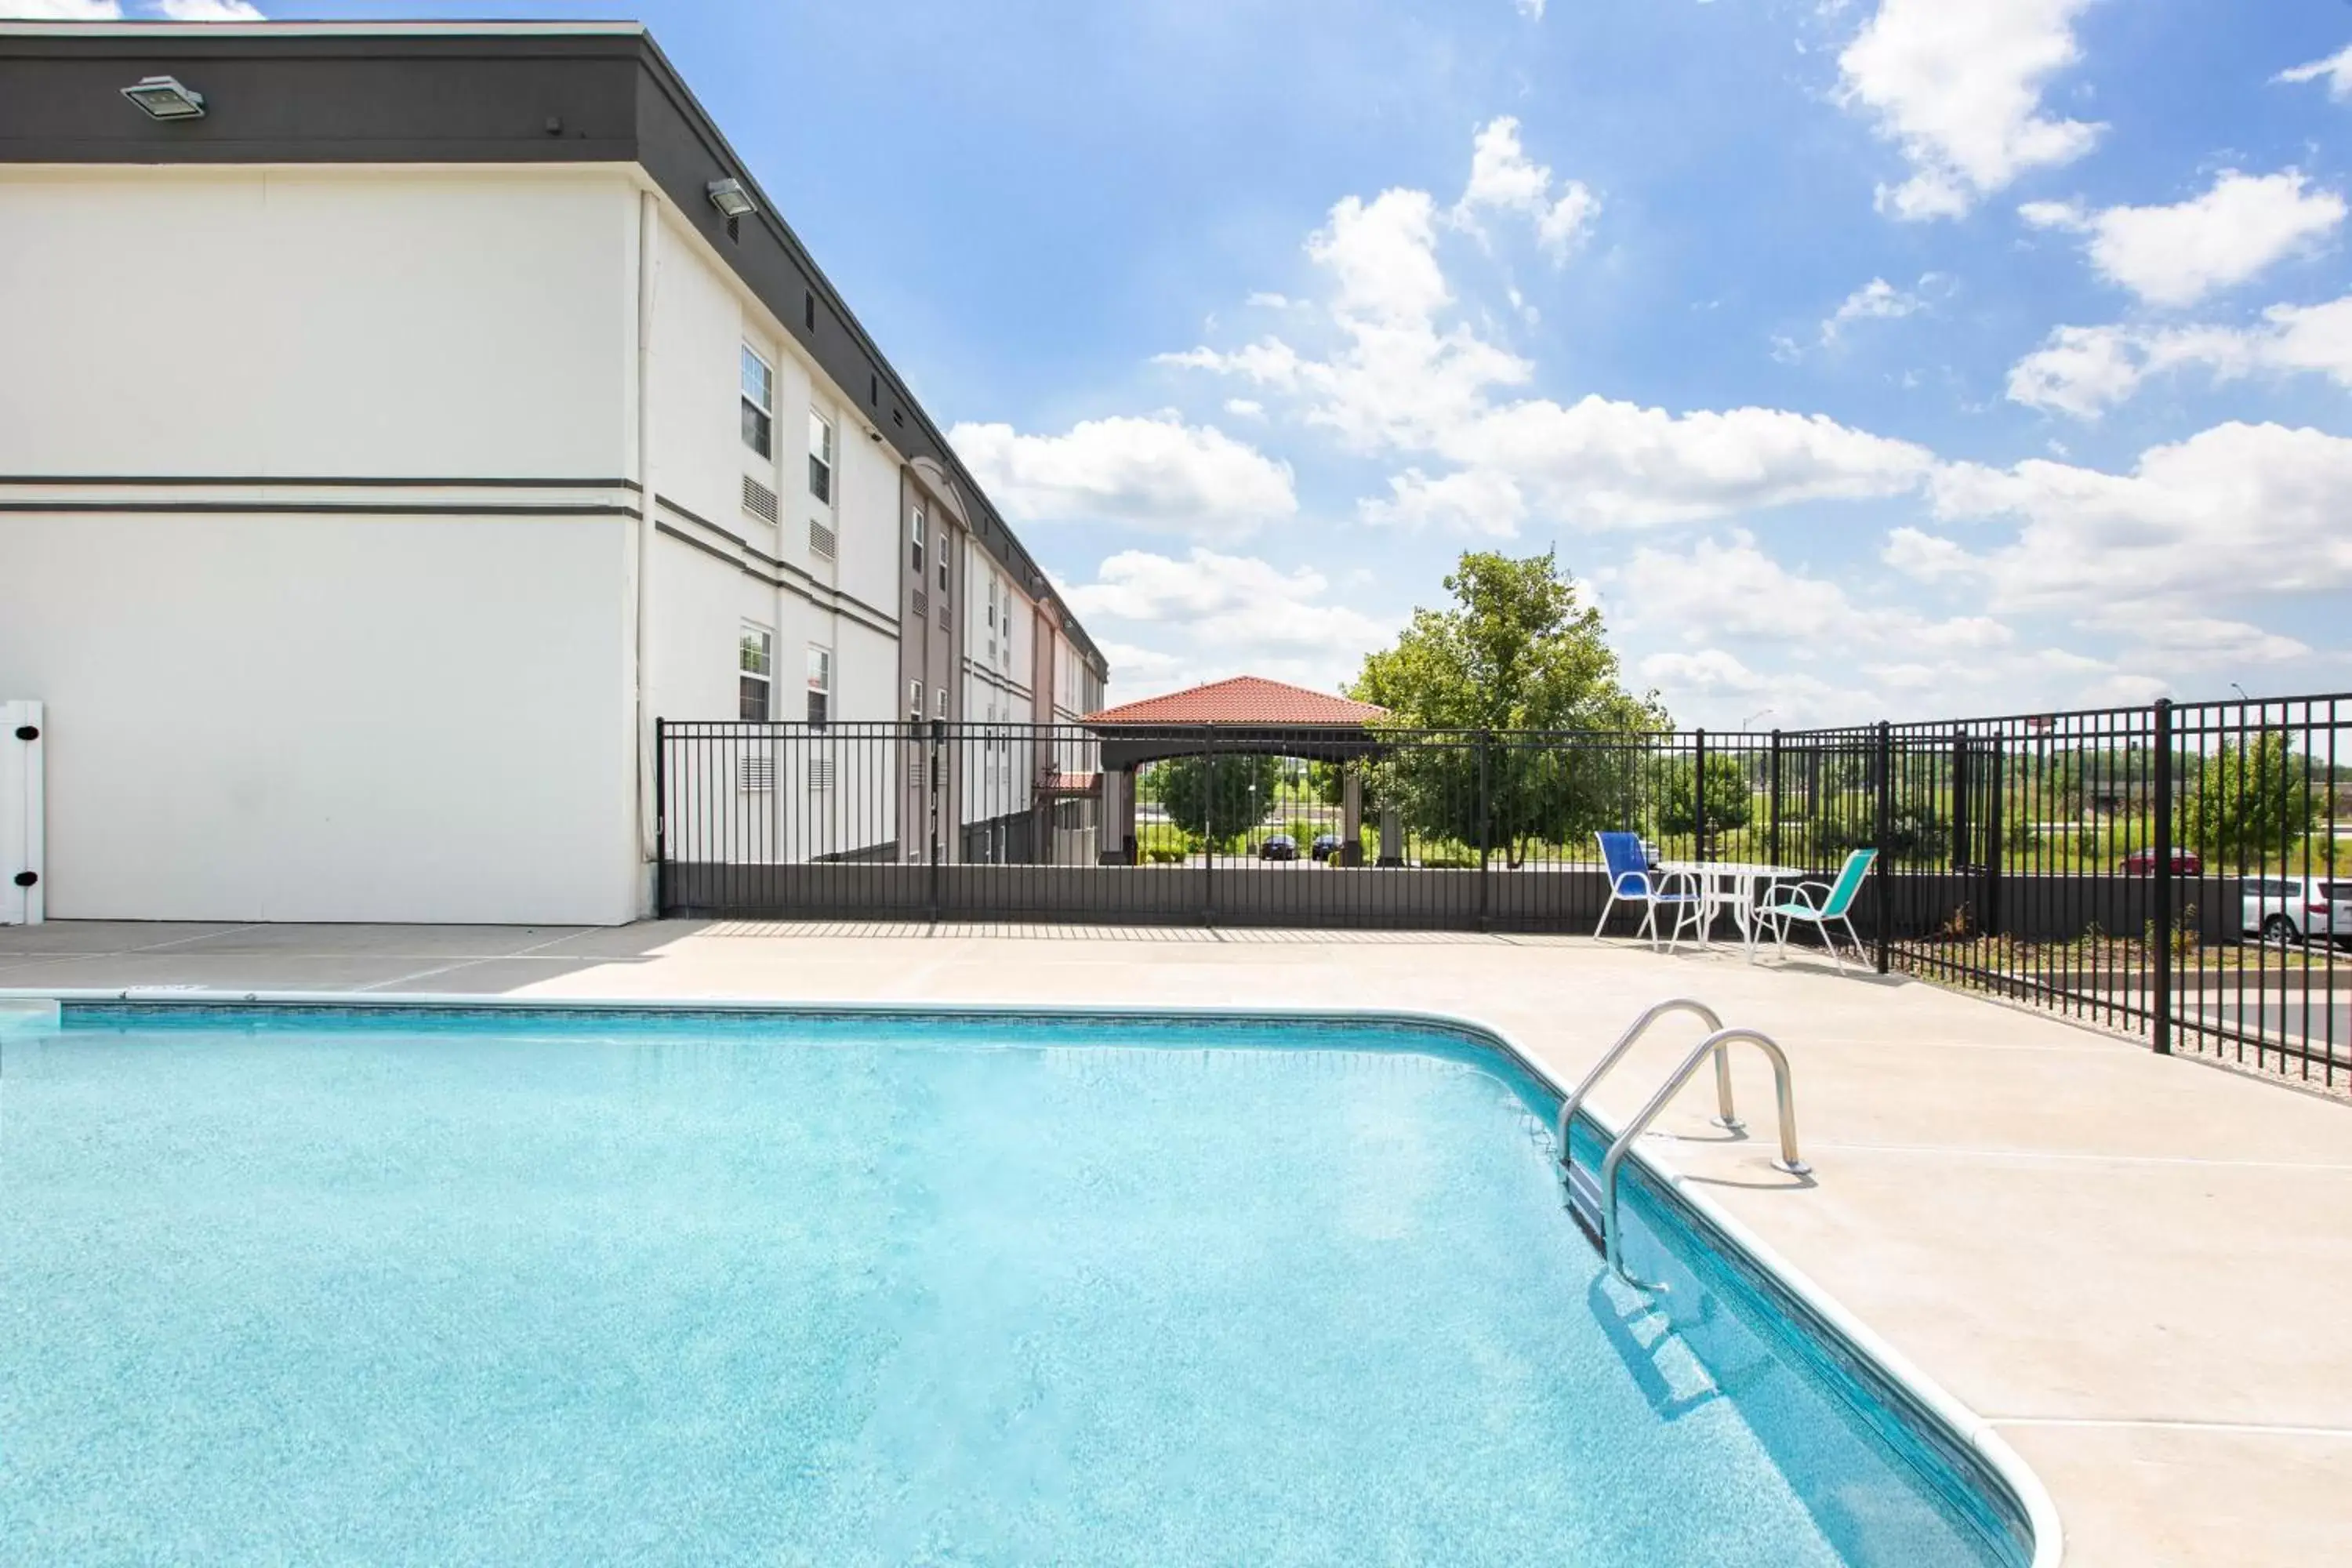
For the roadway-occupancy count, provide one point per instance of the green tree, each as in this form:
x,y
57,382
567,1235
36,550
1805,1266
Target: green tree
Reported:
x,y
1520,649
1214,796
2250,798
1730,802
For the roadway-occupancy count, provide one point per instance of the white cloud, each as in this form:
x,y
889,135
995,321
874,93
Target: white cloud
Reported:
x,y
2078,371
1532,10
1877,300
1710,671
1244,409
1209,615
2178,254
111,10
1396,380
60,10
1503,179
1956,86
1926,557
1156,473
2191,642
2254,510
1733,589
1473,501
2084,371
2336,67
1382,257
1601,463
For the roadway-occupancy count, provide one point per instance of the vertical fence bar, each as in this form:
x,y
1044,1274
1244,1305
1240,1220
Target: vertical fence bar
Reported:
x,y
1486,826
939,737
1698,794
661,820
1773,795
1207,829
1996,830
1883,838
2160,926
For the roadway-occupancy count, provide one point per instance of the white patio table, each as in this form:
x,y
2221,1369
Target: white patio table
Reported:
x,y
1733,884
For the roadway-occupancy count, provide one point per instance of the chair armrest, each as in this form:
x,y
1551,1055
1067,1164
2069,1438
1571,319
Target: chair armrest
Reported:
x,y
1819,891
1640,889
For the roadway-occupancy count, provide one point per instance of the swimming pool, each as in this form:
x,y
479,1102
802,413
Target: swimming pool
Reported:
x,y
563,1285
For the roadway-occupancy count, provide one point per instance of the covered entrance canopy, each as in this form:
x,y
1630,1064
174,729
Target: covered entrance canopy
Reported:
x,y
1245,715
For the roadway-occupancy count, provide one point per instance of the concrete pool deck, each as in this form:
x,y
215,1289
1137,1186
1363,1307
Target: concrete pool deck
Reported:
x,y
2138,1268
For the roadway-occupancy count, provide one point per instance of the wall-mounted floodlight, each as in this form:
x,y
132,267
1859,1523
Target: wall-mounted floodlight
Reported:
x,y
164,98
729,197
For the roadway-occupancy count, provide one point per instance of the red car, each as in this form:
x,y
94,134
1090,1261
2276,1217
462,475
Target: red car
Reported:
x,y
2142,863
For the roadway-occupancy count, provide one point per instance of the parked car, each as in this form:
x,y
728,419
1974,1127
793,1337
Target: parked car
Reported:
x,y
1325,845
1278,846
2297,909
2142,863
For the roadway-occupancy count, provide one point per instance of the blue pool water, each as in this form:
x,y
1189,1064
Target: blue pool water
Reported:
x,y
337,1287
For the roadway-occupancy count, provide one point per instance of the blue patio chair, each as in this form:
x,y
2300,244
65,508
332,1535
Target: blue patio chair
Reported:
x,y
1819,903
1631,880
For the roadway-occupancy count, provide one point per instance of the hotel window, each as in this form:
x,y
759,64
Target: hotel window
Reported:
x,y
915,699
754,666
759,403
820,456
820,684
943,566
915,536
942,712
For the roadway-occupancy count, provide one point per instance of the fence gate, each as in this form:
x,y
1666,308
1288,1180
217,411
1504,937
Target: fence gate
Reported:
x,y
21,893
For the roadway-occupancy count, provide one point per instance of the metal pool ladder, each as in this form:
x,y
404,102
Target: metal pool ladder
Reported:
x,y
1595,1203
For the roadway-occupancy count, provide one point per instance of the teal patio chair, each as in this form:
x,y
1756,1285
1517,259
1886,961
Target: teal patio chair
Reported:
x,y
1819,903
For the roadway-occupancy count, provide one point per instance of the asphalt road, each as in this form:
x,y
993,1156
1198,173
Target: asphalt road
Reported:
x,y
2283,1017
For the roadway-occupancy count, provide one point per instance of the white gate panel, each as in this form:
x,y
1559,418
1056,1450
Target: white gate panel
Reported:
x,y
22,894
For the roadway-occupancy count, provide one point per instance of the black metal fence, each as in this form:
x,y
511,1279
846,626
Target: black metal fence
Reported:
x,y
2171,869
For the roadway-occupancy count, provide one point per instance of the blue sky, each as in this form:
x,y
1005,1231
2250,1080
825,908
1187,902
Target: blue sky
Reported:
x,y
1883,357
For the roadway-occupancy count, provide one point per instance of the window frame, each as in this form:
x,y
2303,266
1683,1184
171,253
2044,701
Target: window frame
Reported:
x,y
819,685
824,472
915,535
764,677
764,413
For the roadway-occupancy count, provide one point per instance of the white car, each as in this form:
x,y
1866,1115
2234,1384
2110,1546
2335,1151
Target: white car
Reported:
x,y
2291,908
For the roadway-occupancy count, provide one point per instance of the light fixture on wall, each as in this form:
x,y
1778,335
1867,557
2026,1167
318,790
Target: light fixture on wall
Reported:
x,y
729,197
165,97
872,434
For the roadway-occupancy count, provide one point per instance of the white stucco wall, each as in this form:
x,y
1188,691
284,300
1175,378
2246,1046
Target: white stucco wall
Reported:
x,y
323,713
338,321
288,719
703,317
323,710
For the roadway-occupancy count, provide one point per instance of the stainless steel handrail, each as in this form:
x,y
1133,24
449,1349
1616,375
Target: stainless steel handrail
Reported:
x,y
1609,1058
1717,1042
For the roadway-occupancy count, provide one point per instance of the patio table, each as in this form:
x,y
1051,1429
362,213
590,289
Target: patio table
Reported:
x,y
1734,883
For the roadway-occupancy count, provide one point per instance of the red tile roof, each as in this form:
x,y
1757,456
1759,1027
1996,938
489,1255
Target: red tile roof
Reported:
x,y
1243,699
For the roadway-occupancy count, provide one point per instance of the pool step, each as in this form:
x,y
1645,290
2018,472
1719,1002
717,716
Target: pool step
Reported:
x,y
1584,1202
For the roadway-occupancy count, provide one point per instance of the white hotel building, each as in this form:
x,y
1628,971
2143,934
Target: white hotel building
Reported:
x,y
384,448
